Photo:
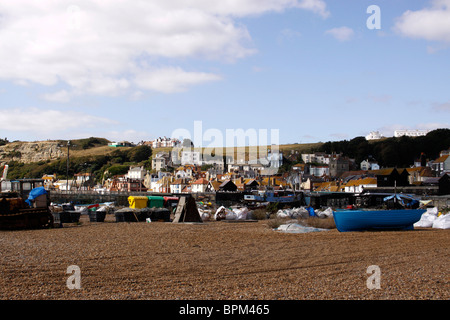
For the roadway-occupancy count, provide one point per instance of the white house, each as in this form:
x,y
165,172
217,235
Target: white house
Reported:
x,y
359,185
318,157
136,173
191,157
319,171
160,161
374,135
163,184
369,165
441,165
164,142
275,159
186,171
410,133
177,186
199,185
64,185
151,180
308,157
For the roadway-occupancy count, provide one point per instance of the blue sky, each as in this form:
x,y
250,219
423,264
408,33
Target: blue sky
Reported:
x,y
310,69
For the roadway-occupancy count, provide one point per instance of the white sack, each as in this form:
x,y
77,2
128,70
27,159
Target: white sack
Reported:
x,y
442,222
300,213
325,214
231,215
426,220
432,211
286,213
241,214
204,215
220,213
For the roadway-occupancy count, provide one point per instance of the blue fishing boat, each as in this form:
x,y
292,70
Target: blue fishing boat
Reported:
x,y
362,220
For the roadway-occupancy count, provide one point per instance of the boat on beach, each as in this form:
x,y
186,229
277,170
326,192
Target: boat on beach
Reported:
x,y
269,195
365,220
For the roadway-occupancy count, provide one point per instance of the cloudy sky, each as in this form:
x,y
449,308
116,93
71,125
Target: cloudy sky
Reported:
x,y
136,70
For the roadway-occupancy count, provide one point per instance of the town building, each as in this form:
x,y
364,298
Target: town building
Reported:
x,y
339,165
121,144
178,185
191,157
162,142
418,174
358,185
161,161
199,185
319,170
410,133
391,177
137,173
369,164
441,165
374,135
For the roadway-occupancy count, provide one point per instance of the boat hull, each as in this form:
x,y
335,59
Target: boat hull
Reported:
x,y
359,220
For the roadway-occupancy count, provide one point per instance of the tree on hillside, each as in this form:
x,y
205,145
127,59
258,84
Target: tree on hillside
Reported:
x,y
392,152
140,153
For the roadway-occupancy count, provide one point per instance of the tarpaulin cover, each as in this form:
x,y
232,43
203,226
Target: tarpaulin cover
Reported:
x,y
401,198
34,193
297,228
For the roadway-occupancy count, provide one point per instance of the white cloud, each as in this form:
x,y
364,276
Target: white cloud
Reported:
x,y
341,33
317,6
98,47
431,23
59,96
34,120
254,7
170,80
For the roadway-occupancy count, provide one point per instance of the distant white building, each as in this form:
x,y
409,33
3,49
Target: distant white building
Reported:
x,y
318,157
369,165
160,161
275,159
410,133
374,135
319,171
136,173
164,142
191,157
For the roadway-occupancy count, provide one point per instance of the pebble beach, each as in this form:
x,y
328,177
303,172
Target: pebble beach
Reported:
x,y
220,260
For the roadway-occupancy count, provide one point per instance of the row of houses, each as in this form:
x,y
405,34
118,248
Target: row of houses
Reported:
x,y
191,179
420,179
335,165
317,164
320,172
